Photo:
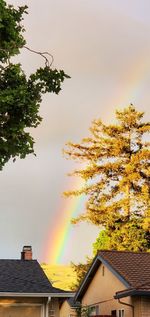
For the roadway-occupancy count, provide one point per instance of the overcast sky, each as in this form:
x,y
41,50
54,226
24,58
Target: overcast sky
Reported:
x,y
104,45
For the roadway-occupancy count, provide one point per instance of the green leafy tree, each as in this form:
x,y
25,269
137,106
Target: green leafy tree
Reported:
x,y
85,311
20,96
117,178
102,242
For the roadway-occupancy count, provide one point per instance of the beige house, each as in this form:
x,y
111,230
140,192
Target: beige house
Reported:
x,y
117,284
67,308
25,291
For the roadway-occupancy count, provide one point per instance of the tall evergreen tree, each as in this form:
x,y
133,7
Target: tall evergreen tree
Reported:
x,y
117,178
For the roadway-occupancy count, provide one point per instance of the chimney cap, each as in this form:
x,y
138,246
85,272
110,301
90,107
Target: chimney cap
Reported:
x,y
26,253
27,248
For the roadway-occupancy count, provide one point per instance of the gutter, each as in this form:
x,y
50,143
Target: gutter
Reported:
x,y
132,292
61,295
47,304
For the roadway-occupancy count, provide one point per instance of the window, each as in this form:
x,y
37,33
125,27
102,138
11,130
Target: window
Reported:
x,y
94,310
121,313
118,313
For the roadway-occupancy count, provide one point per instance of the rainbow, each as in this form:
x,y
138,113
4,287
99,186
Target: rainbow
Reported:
x,y
136,76
129,92
60,232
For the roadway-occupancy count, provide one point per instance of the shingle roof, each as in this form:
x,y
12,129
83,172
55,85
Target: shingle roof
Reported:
x,y
24,276
59,290
134,267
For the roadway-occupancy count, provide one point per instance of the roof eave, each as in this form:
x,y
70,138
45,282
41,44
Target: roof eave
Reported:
x,y
85,282
15,294
84,285
131,293
62,295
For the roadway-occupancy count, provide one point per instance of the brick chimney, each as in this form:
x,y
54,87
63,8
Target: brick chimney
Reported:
x,y
26,253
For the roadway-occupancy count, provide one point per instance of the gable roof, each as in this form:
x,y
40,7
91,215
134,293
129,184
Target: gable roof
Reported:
x,y
25,277
130,268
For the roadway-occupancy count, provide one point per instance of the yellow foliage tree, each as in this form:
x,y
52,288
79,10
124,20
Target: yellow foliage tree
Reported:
x,y
116,178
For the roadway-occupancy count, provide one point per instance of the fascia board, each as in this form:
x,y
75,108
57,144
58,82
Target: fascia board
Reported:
x,y
100,260
81,287
62,295
12,294
120,277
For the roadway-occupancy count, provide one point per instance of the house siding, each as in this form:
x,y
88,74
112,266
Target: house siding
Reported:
x,y
53,308
136,302
145,307
102,289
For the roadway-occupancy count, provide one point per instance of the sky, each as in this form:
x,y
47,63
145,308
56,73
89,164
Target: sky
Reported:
x,y
104,45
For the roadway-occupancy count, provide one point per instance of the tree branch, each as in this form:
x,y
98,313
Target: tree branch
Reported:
x,y
47,63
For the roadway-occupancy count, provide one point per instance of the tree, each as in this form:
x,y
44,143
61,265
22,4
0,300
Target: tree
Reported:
x,y
80,269
20,97
116,177
84,311
101,243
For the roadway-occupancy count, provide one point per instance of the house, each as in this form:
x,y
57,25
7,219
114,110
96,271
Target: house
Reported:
x,y
25,291
117,284
68,307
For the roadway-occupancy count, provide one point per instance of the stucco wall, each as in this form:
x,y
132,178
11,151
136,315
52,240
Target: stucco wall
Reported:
x,y
65,309
102,288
